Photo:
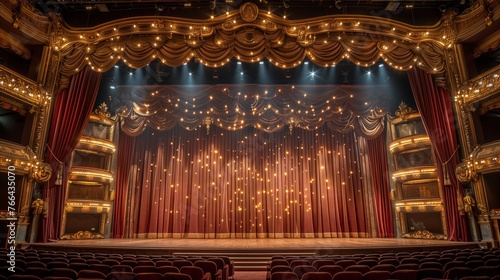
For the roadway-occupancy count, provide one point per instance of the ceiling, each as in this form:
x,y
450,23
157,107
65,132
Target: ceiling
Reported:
x,y
85,13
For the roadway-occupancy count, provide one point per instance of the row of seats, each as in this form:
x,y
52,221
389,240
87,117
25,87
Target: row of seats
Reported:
x,y
405,265
83,265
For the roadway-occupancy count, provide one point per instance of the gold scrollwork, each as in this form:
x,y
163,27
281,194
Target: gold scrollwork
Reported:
x,y
83,235
403,111
424,234
41,172
465,172
495,212
102,110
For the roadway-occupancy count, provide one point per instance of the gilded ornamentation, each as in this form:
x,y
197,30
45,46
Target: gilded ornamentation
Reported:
x,y
41,172
495,212
469,203
249,12
403,111
482,209
39,207
304,39
56,35
83,235
22,88
479,88
482,159
102,110
465,172
424,234
207,122
448,34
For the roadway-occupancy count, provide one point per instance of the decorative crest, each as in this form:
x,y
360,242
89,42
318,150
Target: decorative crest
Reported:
x,y
102,110
403,111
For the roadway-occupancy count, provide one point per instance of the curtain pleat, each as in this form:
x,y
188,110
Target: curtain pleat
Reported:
x,y
377,153
246,184
124,162
71,112
435,108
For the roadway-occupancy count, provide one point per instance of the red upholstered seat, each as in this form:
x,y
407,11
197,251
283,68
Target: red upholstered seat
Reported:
x,y
149,276
176,276
195,272
332,269
316,275
348,275
91,274
377,275
115,275
358,267
404,274
283,275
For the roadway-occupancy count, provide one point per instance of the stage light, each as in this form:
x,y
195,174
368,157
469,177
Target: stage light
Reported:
x,y
239,62
190,73
369,72
381,65
130,73
116,66
241,73
261,62
306,62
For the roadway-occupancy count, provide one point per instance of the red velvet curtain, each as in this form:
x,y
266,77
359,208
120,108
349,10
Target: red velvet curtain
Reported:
x,y
72,108
246,184
125,152
434,106
377,153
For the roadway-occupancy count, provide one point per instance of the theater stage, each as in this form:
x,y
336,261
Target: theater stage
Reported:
x,y
253,254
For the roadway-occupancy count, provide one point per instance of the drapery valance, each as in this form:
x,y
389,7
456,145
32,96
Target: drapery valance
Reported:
x,y
252,37
265,107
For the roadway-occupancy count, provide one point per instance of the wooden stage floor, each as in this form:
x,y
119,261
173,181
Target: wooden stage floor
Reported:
x,y
321,246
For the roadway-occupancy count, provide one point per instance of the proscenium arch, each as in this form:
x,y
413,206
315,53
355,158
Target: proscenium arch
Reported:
x,y
325,41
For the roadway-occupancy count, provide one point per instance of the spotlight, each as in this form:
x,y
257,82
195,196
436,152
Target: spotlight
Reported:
x,y
306,62
338,4
381,65
159,8
442,8
369,72
261,62
190,74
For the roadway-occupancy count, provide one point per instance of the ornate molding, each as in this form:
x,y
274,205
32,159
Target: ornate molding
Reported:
x,y
479,16
216,40
83,235
479,88
24,160
484,158
26,19
424,234
22,88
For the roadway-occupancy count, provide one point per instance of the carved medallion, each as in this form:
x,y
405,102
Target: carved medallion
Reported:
x,y
249,12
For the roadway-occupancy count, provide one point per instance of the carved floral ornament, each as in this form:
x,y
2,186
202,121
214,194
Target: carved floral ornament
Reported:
x,y
482,159
25,161
251,35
